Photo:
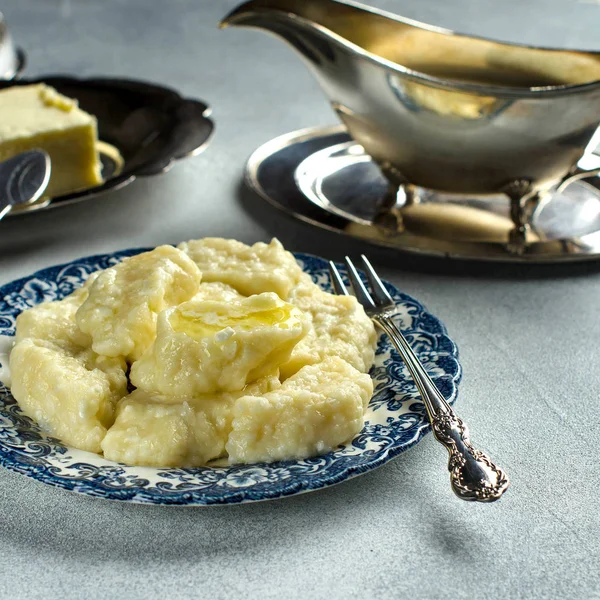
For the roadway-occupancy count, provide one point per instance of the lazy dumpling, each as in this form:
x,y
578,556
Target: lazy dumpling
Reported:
x,y
71,392
55,321
208,346
338,327
167,431
249,269
58,380
219,292
315,410
124,301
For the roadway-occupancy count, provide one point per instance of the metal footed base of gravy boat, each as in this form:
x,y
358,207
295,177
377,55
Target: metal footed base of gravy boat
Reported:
x,y
440,110
322,177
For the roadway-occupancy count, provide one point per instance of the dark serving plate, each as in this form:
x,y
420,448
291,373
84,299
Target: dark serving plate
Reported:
x,y
150,125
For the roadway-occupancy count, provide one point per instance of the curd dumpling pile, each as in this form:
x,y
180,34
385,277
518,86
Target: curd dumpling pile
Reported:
x,y
179,356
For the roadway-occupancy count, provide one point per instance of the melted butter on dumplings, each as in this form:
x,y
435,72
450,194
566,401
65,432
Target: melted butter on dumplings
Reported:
x,y
212,346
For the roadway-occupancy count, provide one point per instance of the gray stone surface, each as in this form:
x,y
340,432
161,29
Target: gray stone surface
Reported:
x,y
528,340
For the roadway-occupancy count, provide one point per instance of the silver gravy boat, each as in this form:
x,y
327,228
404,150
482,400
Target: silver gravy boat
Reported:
x,y
445,111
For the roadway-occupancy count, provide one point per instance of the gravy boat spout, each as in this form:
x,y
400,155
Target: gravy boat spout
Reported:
x,y
438,109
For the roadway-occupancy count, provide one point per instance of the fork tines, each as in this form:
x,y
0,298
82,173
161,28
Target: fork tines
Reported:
x,y
378,296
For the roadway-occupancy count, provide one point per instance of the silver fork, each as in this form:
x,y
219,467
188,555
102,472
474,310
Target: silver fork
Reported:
x,y
473,476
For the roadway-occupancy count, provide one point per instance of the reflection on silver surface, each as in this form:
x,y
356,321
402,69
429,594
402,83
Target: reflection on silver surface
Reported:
x,y
436,109
323,177
341,180
441,110
23,179
573,213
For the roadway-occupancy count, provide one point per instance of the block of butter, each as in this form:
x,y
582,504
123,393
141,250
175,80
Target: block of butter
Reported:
x,y
37,116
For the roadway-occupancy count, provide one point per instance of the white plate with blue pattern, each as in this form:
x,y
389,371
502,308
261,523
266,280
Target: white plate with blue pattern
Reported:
x,y
395,419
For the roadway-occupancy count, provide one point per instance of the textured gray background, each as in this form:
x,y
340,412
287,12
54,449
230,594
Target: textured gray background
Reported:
x,y
528,340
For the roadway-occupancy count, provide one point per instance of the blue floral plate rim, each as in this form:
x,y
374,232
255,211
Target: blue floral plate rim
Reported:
x,y
396,419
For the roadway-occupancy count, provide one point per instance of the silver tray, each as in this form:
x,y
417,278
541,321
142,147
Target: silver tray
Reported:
x,y
322,177
151,126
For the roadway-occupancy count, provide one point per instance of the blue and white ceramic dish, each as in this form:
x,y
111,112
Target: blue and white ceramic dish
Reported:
x,y
395,420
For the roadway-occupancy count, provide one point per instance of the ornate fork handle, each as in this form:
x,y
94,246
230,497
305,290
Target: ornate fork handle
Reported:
x,y
473,475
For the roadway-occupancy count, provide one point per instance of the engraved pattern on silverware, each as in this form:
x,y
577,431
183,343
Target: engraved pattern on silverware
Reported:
x,y
445,427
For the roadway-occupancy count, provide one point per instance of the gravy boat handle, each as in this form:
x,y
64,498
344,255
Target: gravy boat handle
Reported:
x,y
581,173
